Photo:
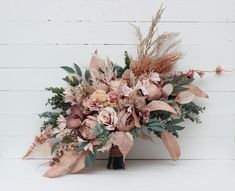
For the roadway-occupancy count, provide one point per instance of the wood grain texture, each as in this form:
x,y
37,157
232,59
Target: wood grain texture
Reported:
x,y
37,37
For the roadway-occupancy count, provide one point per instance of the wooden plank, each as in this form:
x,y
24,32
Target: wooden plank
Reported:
x,y
121,10
206,56
212,125
34,102
108,32
191,148
40,78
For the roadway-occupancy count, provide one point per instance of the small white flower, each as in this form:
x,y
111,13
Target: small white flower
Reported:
x,y
140,86
61,122
126,90
154,77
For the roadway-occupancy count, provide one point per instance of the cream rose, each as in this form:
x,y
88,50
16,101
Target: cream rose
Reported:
x,y
108,117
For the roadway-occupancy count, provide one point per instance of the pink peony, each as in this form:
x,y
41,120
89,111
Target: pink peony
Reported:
x,y
75,117
87,128
125,121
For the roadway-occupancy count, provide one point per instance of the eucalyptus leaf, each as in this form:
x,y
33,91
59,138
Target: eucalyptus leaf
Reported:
x,y
87,75
68,69
78,70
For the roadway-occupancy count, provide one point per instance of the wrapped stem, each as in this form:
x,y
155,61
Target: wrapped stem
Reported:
x,y
116,160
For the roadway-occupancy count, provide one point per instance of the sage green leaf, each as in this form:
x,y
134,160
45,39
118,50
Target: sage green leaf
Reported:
x,y
68,69
87,75
89,160
177,127
156,128
78,70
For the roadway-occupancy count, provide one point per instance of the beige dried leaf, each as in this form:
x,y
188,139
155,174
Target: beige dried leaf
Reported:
x,y
66,164
124,141
184,97
160,105
80,164
167,89
196,91
171,144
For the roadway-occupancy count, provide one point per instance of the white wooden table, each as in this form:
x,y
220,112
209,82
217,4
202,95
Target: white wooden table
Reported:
x,y
143,175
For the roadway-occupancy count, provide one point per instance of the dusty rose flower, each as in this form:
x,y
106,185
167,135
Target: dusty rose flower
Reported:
x,y
125,121
75,117
201,73
87,128
190,74
108,117
219,70
73,121
154,90
100,98
113,96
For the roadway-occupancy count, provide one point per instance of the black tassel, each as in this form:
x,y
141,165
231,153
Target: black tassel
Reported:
x,y
115,160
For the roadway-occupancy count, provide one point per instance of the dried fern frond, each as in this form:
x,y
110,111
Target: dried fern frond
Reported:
x,y
160,65
101,71
163,44
146,43
62,148
39,140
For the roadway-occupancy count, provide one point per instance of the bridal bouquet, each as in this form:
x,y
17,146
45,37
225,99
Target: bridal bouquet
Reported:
x,y
104,108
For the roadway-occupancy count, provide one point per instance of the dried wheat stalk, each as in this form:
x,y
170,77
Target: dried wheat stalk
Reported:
x,y
155,52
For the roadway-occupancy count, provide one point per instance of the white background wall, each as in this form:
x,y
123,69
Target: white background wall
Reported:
x,y
39,36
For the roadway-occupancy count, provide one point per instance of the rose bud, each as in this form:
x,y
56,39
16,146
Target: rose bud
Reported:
x,y
125,121
154,90
87,128
113,96
190,74
108,117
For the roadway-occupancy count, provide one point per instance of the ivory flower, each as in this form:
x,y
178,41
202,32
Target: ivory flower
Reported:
x,y
108,117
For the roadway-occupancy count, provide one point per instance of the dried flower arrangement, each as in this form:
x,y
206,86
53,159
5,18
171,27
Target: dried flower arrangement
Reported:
x,y
107,107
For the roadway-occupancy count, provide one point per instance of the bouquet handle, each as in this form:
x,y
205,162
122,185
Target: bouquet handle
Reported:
x,y
116,159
